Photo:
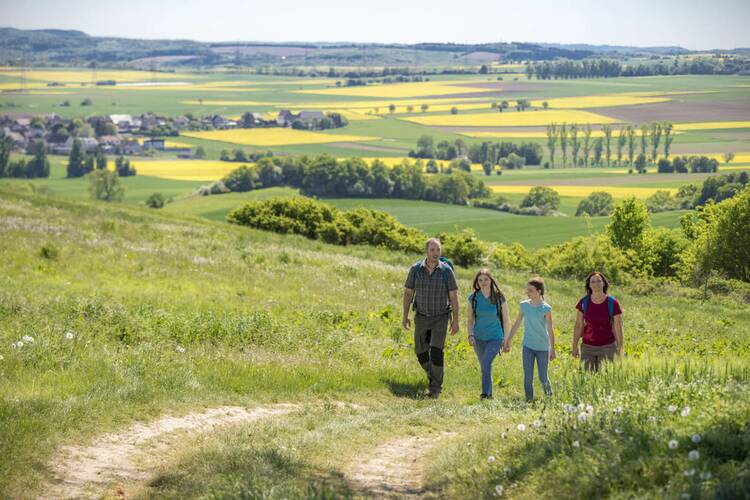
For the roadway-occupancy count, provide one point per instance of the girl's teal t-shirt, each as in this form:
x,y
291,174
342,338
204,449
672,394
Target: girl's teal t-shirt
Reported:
x,y
486,323
535,335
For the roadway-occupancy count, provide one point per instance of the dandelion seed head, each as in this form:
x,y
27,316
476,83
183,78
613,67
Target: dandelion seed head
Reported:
x,y
576,444
696,438
180,349
689,472
504,435
582,417
705,476
537,424
28,339
685,411
694,455
521,427
618,409
671,408
491,458
69,336
589,409
673,444
499,490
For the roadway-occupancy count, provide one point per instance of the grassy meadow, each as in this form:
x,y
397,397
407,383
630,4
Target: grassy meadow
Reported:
x,y
125,313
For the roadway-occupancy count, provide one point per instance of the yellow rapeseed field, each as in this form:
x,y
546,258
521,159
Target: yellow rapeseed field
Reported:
x,y
274,136
711,125
599,101
511,119
583,191
86,76
186,170
398,90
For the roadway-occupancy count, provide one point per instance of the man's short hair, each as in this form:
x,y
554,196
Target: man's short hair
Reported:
x,y
433,240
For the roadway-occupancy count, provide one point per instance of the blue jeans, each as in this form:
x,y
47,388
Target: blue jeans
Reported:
x,y
542,362
486,351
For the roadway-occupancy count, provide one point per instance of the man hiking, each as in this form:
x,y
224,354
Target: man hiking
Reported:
x,y
431,286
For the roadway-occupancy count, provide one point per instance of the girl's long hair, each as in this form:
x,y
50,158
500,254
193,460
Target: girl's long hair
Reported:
x,y
495,293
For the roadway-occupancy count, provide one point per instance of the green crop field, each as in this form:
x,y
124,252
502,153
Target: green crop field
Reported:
x,y
126,313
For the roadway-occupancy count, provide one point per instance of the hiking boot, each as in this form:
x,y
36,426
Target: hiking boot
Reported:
x,y
485,396
434,395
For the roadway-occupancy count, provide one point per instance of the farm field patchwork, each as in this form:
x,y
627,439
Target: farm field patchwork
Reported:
x,y
274,136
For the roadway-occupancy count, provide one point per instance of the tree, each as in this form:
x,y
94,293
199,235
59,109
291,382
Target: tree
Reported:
x,y
123,167
409,108
640,163
200,153
424,107
728,157
608,143
545,105
6,145
552,142
564,143
454,110
38,166
100,160
575,143
644,138
586,144
598,148
628,223
655,137
631,144
668,137
622,138
76,167
425,147
596,204
241,179
391,108
105,185
542,197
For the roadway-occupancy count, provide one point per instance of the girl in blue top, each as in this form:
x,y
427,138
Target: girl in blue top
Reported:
x,y
487,306
538,337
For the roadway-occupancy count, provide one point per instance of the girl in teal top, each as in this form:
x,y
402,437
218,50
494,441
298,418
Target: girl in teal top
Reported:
x,y
538,337
487,306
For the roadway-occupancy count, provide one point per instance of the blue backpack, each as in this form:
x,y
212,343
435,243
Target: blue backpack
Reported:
x,y
443,263
610,306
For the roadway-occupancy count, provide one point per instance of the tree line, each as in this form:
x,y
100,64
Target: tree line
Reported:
x,y
487,151
37,166
353,177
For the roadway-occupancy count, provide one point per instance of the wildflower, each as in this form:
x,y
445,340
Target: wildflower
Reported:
x,y
18,345
618,409
28,339
589,409
491,459
69,336
582,417
499,490
689,473
705,476
671,408
537,424
504,435
685,496
576,444
685,411
652,419
618,431
694,455
673,444
521,427
568,408
180,349
696,438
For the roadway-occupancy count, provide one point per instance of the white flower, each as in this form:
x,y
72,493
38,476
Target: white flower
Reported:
x,y
589,409
28,339
689,472
618,409
652,419
685,411
537,424
491,459
582,417
576,444
705,476
673,444
18,345
499,490
694,455
504,435
568,408
521,427
180,349
685,496
696,438
671,408
618,431
69,336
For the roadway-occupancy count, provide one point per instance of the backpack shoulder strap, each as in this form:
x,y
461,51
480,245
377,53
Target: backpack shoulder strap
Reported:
x,y
611,307
585,303
474,303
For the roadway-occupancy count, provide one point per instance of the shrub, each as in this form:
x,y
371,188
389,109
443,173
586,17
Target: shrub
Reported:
x,y
579,256
628,222
241,179
465,248
542,197
156,200
661,201
105,185
598,203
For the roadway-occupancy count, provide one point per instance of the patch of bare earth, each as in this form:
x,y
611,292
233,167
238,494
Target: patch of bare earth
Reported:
x,y
112,459
394,469
681,111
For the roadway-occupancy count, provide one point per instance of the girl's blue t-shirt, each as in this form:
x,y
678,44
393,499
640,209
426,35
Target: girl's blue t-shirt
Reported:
x,y
535,335
486,323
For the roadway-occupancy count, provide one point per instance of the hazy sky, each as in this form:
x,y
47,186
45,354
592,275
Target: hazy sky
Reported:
x,y
689,23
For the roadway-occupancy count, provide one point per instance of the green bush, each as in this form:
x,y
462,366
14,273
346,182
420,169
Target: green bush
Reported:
x,y
596,204
465,248
156,200
514,256
579,256
542,197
